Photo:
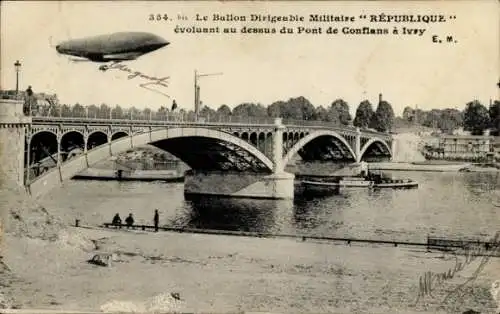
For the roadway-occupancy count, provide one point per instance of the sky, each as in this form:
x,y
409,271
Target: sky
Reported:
x,y
409,70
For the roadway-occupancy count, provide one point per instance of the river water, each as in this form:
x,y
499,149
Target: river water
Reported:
x,y
451,205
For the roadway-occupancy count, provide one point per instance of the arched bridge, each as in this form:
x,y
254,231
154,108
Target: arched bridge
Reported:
x,y
223,147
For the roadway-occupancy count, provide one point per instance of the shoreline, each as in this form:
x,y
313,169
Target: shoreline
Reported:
x,y
245,274
424,167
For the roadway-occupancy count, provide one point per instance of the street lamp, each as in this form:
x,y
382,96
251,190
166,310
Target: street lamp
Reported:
x,y
197,92
17,65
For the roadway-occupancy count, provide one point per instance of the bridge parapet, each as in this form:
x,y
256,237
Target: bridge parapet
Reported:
x,y
249,123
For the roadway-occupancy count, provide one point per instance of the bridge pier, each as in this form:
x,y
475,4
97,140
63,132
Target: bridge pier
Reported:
x,y
13,126
357,145
277,185
245,185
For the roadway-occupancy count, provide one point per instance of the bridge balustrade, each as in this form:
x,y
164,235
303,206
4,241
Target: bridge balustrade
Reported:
x,y
183,118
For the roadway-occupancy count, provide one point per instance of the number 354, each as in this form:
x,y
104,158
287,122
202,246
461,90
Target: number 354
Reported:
x,y
158,17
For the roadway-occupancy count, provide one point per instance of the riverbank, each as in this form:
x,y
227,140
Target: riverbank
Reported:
x,y
216,273
432,167
403,166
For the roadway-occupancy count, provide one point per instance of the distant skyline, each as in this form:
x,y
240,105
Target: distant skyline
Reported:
x,y
408,70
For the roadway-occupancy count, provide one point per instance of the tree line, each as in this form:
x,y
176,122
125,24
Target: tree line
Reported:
x,y
299,108
475,117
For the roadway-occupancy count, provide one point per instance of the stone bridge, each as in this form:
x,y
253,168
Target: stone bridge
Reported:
x,y
226,158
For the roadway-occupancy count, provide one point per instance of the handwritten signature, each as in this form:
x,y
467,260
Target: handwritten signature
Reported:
x,y
152,80
430,280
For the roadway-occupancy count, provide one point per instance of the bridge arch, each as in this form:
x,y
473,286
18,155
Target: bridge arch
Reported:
x,y
71,139
72,131
118,134
374,140
56,176
43,131
96,138
311,137
40,145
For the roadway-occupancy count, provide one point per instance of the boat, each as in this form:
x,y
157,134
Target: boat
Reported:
x,y
360,182
397,184
421,166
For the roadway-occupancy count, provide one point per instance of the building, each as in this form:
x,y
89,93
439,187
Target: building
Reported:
x,y
466,145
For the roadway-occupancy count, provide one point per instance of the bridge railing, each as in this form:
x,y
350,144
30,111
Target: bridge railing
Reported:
x,y
182,118
168,117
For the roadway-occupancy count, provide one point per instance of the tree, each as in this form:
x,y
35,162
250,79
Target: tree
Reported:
x,y
78,110
134,113
250,110
364,114
208,113
161,113
450,119
383,118
93,111
476,118
417,116
321,114
495,116
223,112
299,108
274,110
339,112
53,107
117,112
104,111
147,113
65,111
189,115
408,113
432,118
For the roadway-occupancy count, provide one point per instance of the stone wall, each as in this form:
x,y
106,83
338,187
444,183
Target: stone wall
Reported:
x,y
12,140
12,152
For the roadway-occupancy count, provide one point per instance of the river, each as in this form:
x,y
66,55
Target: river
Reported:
x,y
450,205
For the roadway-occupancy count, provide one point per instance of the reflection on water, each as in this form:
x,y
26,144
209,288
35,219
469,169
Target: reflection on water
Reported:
x,y
445,204
232,214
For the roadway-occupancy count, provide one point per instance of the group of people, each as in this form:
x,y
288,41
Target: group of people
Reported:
x,y
129,221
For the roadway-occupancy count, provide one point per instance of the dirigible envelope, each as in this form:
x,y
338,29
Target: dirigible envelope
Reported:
x,y
112,47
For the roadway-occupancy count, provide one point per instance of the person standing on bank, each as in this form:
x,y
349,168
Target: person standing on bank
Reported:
x,y
129,221
156,220
28,101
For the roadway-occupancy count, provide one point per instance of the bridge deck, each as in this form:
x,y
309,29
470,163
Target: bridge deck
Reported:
x,y
233,122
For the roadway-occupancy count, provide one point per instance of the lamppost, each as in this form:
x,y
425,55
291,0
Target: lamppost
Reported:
x,y
197,92
17,66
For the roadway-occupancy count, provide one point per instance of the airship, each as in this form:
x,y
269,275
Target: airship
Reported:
x,y
116,47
